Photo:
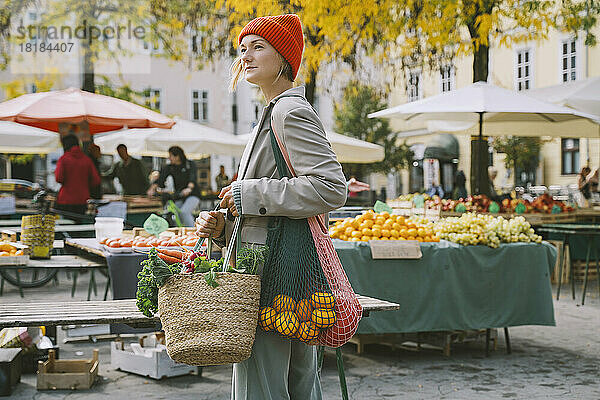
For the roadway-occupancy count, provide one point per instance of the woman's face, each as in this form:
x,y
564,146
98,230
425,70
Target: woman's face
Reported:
x,y
175,160
260,60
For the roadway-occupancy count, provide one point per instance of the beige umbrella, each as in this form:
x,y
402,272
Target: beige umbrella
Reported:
x,y
23,139
197,140
504,112
349,149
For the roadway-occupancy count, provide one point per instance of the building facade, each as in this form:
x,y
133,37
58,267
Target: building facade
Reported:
x,y
560,59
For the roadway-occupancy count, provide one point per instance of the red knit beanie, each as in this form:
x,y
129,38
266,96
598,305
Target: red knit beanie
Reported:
x,y
284,32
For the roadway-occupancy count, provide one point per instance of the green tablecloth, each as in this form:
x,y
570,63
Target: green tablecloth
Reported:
x,y
455,287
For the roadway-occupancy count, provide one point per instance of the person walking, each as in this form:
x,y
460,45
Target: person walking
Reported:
x,y
131,173
77,174
222,179
584,186
460,186
271,51
183,173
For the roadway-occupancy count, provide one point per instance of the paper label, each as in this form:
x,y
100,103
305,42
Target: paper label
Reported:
x,y
395,249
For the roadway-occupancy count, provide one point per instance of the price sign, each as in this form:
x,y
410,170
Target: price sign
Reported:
x,y
395,249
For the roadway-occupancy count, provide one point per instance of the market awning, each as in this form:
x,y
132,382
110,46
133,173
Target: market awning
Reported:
x,y
349,149
197,140
23,139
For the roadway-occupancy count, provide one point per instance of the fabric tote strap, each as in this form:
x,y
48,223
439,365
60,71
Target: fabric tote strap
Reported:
x,y
320,218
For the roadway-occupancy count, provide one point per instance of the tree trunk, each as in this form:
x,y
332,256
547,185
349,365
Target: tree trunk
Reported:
x,y
311,86
480,183
480,63
88,69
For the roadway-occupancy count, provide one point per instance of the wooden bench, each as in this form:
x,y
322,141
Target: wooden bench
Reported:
x,y
125,311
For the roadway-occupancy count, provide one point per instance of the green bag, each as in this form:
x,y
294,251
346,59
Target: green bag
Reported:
x,y
293,283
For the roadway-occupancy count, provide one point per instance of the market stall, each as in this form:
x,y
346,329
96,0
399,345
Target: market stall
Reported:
x,y
454,287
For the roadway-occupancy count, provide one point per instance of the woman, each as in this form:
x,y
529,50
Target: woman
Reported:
x,y
583,184
183,173
271,51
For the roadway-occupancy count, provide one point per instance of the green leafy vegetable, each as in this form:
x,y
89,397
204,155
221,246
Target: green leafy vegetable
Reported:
x,y
153,275
250,258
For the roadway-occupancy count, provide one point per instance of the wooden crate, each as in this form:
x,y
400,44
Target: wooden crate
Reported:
x,y
566,265
67,374
579,271
142,231
417,341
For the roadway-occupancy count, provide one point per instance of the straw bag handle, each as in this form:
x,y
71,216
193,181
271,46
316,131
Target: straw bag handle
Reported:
x,y
319,217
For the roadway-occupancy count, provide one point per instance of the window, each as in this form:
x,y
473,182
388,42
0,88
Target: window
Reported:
x,y
447,78
200,105
523,71
414,86
570,156
152,99
569,60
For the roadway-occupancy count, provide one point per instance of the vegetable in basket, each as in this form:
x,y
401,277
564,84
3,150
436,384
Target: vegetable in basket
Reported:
x,y
162,264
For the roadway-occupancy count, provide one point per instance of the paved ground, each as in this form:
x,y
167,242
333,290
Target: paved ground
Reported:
x,y
561,362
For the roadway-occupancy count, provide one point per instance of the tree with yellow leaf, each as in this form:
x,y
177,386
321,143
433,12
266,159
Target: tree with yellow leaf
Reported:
x,y
22,85
334,31
444,29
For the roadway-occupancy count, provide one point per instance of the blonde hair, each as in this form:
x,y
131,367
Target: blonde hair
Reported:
x,y
237,69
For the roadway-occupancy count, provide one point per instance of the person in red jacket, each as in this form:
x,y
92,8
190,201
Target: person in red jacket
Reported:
x,y
77,173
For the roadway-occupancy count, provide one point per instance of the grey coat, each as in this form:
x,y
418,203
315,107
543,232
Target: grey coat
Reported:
x,y
320,186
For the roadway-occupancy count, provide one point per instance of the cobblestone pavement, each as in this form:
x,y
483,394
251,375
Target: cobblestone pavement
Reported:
x,y
561,362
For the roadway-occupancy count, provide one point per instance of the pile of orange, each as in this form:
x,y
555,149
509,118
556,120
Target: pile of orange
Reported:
x,y
8,250
381,226
302,320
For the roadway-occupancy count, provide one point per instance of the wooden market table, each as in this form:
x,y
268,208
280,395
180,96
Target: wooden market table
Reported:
x,y
4,223
126,311
59,262
588,232
454,288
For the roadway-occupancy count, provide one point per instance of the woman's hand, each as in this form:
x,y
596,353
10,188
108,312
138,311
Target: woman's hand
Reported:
x,y
151,190
210,223
227,201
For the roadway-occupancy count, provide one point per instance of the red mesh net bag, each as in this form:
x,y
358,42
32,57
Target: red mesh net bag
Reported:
x,y
348,310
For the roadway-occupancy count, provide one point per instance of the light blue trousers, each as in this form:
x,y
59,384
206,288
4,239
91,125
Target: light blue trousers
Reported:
x,y
278,369
187,208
